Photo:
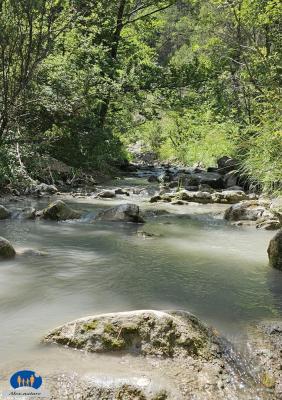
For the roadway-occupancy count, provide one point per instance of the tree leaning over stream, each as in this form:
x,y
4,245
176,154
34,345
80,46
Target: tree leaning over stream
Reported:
x,y
194,79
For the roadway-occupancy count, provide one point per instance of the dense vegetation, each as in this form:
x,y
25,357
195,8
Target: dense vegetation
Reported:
x,y
193,79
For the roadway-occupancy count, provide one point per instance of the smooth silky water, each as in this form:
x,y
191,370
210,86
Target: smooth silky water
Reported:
x,y
196,262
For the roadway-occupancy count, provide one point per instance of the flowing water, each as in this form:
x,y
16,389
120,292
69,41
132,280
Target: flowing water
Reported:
x,y
195,262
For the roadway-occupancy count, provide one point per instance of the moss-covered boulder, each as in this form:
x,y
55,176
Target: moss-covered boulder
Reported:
x,y
121,213
275,251
4,213
165,356
6,249
140,332
58,211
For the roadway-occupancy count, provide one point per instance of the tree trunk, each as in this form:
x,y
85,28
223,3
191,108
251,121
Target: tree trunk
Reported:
x,y
113,54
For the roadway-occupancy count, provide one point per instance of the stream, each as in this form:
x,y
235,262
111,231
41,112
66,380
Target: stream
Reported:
x,y
195,262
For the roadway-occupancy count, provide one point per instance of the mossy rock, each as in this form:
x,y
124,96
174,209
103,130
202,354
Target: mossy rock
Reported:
x,y
275,251
6,249
59,211
4,213
152,333
268,381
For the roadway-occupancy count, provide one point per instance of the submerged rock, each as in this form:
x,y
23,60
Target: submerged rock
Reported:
x,y
6,249
4,213
122,213
58,211
275,251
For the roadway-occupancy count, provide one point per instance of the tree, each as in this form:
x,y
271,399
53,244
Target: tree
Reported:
x,y
29,29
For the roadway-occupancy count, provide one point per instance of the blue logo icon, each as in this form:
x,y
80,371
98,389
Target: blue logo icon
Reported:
x,y
21,379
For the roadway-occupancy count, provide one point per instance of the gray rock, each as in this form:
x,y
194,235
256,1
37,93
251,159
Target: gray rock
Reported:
x,y
106,194
265,344
250,210
122,191
229,196
213,179
275,251
121,213
58,211
6,249
230,179
276,208
197,197
268,225
4,213
147,333
227,164
44,188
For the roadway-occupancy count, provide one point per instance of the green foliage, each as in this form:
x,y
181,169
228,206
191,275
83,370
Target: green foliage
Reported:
x,y
193,79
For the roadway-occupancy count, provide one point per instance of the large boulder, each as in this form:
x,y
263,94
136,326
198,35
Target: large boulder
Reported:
x,y
265,344
178,356
147,333
58,211
6,249
4,213
122,213
275,251
250,210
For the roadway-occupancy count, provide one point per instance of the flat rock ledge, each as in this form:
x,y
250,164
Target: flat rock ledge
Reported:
x,y
265,346
188,355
